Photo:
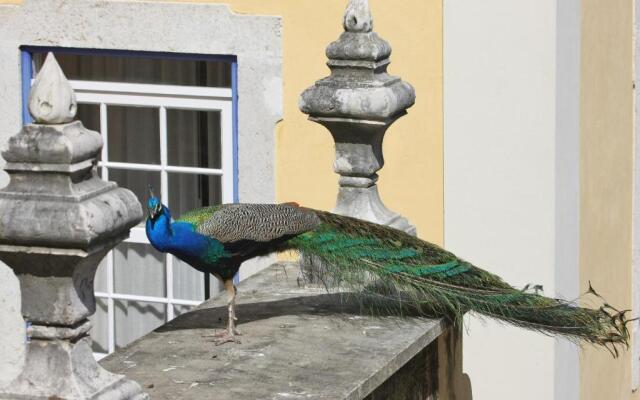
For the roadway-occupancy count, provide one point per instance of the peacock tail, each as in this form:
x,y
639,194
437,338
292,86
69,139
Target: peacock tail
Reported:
x,y
385,263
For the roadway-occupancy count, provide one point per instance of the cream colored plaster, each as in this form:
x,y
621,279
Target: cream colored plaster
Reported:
x,y
606,167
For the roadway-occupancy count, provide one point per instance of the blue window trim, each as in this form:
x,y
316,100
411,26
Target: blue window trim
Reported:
x,y
234,94
26,67
27,52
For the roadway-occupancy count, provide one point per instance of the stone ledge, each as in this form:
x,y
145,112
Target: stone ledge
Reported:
x,y
298,343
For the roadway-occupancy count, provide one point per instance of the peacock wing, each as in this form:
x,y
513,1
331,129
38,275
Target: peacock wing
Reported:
x,y
262,223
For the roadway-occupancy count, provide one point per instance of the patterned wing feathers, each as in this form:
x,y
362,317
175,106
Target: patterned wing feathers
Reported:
x,y
257,222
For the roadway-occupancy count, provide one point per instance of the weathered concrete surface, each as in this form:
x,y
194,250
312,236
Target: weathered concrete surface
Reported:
x,y
298,343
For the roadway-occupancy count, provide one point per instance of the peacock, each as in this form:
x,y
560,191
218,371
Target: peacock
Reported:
x,y
378,262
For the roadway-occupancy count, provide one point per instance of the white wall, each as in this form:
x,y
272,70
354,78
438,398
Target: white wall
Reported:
x,y
511,155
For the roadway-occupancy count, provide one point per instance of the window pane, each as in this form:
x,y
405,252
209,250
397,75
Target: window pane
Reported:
x,y
133,134
194,138
189,191
89,114
135,319
110,68
100,281
139,269
136,181
179,310
99,327
188,283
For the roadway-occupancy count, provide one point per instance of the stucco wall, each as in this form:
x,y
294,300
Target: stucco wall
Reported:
x,y
606,179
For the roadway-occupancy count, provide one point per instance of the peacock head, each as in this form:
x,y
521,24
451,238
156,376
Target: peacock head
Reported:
x,y
154,206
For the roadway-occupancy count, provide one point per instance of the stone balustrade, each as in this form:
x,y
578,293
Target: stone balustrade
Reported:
x,y
57,221
357,103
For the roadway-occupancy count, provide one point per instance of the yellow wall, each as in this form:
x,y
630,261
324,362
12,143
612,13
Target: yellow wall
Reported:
x,y
412,180
606,179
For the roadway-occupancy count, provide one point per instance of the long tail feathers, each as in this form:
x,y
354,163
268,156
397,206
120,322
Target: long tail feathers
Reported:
x,y
384,263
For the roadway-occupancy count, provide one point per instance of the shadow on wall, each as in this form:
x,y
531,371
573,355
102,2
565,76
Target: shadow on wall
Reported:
x,y
12,331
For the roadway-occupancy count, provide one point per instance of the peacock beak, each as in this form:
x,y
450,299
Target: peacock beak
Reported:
x,y
155,211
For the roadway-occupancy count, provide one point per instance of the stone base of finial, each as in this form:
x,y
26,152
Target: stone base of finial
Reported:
x,y
365,203
60,369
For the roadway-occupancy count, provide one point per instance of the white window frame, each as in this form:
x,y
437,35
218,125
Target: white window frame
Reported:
x,y
163,97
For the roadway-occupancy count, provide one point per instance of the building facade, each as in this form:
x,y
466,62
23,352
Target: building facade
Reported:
x,y
518,154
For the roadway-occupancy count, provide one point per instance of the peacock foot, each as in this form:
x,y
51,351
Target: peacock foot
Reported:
x,y
225,336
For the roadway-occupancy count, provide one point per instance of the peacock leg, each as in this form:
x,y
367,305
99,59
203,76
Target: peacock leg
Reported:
x,y
230,334
232,291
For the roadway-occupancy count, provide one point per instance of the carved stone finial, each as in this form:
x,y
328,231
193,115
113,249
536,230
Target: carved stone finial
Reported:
x,y
358,18
52,100
58,219
357,103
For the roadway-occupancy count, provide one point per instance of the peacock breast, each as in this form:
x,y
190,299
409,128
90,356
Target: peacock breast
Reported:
x,y
187,243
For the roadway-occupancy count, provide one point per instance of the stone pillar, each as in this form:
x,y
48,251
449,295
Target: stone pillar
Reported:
x,y
357,103
57,221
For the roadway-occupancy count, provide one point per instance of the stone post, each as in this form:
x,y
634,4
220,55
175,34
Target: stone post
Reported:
x,y
357,103
57,221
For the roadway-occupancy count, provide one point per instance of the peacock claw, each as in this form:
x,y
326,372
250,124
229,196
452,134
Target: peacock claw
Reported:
x,y
227,339
224,336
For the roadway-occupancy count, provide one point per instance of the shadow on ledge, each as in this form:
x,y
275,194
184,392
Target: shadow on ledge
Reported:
x,y
338,305
297,343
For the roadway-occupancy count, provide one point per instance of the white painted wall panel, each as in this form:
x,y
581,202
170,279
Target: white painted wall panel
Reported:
x,y
500,175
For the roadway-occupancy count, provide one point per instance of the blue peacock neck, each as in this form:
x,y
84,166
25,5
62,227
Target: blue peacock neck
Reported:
x,y
159,230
